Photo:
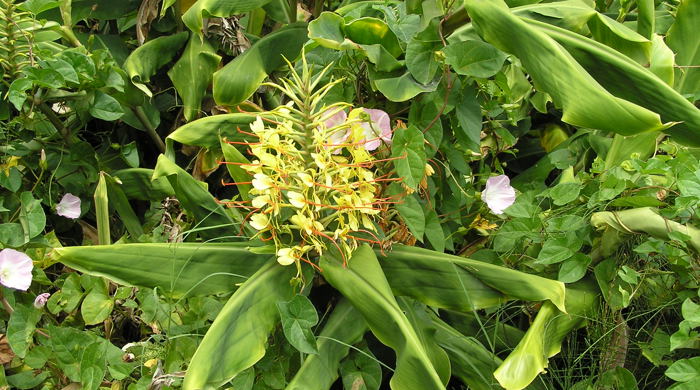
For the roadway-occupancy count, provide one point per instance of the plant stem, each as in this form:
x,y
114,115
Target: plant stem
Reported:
x,y
141,116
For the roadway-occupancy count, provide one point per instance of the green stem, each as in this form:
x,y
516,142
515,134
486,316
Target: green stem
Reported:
x,y
54,119
141,116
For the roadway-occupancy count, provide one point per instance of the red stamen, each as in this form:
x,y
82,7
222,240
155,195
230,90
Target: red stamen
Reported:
x,y
345,261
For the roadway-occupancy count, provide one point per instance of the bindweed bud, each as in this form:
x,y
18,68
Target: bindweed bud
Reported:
x,y
40,300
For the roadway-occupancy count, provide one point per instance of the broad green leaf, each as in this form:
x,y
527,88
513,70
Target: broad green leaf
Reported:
x,y
620,37
687,50
544,337
205,132
239,79
106,107
192,74
474,58
196,199
457,283
298,317
120,203
217,8
617,378
145,61
418,315
176,269
137,184
363,283
328,31
646,18
238,337
408,149
345,327
471,362
662,60
684,370
629,80
21,327
584,101
370,31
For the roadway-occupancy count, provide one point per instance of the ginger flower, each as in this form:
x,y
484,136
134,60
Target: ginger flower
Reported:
x,y
498,194
296,199
259,221
15,269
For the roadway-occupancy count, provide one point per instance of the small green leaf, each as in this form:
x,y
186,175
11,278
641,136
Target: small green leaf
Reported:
x,y
399,87
474,58
32,216
97,305
574,268
20,328
409,209
17,94
556,250
409,152
361,371
433,230
564,193
468,113
106,107
298,316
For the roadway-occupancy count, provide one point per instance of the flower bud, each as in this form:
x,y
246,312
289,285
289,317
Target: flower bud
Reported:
x,y
40,300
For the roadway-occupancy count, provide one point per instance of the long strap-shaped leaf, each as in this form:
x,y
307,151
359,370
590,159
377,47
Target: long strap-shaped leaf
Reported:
x,y
237,338
627,79
472,363
344,327
585,102
453,282
205,132
176,269
647,220
544,337
364,285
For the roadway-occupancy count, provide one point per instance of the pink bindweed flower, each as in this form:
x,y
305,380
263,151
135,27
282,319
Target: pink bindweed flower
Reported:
x,y
15,269
498,194
69,206
377,130
337,137
40,300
